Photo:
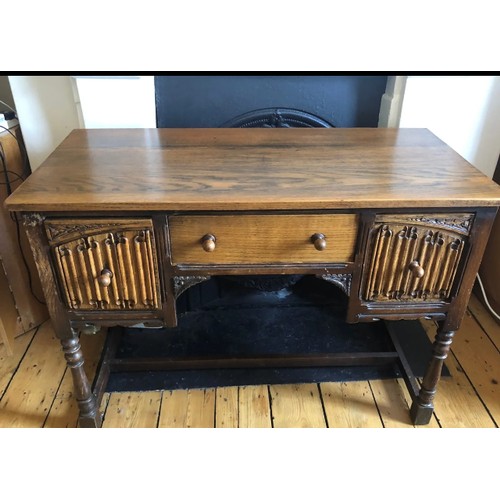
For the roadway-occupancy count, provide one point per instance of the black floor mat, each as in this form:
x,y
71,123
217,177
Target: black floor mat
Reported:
x,y
305,318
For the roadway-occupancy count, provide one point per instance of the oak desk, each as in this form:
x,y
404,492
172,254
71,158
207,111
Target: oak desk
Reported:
x,y
121,222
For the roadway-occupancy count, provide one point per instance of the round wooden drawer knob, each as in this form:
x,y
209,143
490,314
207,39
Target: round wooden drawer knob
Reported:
x,y
319,241
416,269
208,242
104,279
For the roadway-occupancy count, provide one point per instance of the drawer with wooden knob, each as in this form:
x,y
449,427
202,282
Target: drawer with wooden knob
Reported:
x,y
262,239
415,257
105,264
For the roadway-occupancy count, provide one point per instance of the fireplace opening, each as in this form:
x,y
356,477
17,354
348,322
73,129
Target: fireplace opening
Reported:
x,y
277,118
215,101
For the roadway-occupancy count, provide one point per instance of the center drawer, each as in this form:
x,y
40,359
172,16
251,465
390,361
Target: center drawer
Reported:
x,y
262,239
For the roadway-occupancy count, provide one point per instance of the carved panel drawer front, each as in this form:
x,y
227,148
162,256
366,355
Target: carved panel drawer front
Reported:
x,y
105,264
262,239
415,257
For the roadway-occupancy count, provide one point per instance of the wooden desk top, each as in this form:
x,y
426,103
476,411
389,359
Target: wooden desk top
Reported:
x,y
252,169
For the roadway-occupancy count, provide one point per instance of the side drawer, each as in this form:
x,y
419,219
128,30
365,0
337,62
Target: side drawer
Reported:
x,y
262,239
415,258
105,264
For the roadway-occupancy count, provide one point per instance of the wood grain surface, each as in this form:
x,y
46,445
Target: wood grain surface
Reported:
x,y
247,169
9,319
10,358
350,405
296,405
27,400
188,408
396,246
226,413
484,318
133,410
127,255
479,358
254,407
262,238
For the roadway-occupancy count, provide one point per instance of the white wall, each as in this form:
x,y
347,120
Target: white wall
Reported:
x,y
117,102
47,112
463,111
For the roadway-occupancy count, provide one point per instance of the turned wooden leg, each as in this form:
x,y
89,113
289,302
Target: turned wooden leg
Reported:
x,y
89,414
422,407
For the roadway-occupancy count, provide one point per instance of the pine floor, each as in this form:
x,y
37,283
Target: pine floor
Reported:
x,y
36,391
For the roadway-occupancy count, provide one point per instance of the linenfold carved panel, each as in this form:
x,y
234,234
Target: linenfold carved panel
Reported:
x,y
126,255
414,258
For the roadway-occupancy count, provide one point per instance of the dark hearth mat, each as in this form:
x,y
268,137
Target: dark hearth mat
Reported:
x,y
306,318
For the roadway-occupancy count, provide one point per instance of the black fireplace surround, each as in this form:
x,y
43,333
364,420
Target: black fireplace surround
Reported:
x,y
216,101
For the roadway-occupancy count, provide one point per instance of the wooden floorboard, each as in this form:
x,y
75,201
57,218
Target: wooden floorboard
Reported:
x,y
132,410
457,403
30,395
350,405
254,407
188,408
9,362
36,390
226,414
485,319
479,358
296,405
391,402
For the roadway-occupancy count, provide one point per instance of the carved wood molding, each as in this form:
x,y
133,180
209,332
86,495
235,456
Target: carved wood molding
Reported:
x,y
458,223
61,231
182,283
33,219
342,281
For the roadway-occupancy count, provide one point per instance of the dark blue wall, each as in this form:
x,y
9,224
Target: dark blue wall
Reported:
x,y
209,101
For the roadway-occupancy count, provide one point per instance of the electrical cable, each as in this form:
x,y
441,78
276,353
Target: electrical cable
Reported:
x,y
10,107
5,171
10,172
8,182
10,132
22,150
24,174
485,298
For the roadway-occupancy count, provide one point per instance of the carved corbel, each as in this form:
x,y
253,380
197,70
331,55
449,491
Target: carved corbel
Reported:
x,y
33,219
182,283
342,281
